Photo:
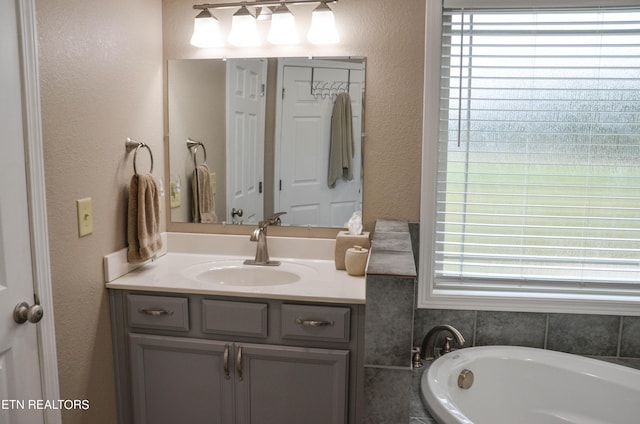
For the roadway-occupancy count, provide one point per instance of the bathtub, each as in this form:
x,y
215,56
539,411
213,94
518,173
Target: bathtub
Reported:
x,y
518,385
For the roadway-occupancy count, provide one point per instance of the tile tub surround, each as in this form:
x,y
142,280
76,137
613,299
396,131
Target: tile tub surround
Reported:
x,y
608,337
390,304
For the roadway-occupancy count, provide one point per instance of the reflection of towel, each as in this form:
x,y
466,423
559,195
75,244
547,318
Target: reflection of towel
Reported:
x,y
143,218
203,205
341,144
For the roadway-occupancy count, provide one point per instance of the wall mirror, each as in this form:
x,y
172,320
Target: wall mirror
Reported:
x,y
268,130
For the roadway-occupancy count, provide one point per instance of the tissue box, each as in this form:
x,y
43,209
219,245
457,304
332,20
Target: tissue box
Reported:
x,y
344,241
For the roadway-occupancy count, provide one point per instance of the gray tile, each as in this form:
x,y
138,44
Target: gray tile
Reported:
x,y
388,225
584,334
630,343
421,420
392,241
627,362
389,320
426,319
511,328
386,395
416,406
388,262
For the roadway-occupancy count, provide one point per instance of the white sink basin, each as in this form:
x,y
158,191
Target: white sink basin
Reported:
x,y
236,273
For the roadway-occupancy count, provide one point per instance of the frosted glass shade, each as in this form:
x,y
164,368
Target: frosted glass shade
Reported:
x,y
283,27
323,26
206,31
244,31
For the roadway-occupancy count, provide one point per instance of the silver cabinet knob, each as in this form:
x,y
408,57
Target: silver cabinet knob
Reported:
x,y
236,212
23,313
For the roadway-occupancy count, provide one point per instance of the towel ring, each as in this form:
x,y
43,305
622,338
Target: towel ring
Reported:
x,y
132,144
191,143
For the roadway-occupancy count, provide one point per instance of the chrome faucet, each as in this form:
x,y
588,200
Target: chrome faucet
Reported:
x,y
430,351
260,235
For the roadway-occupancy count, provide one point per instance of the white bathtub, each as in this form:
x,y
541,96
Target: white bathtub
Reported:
x,y
517,385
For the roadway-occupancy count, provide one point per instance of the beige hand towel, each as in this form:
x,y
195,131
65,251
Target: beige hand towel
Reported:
x,y
143,219
203,204
341,146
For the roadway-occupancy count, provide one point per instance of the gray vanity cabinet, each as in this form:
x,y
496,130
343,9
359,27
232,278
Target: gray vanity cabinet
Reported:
x,y
281,384
179,380
218,360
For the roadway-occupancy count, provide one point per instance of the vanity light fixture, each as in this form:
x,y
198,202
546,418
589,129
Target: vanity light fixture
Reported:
x,y
283,29
244,31
206,30
265,13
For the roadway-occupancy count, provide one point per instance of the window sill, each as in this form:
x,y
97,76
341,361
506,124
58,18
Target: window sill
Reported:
x,y
527,302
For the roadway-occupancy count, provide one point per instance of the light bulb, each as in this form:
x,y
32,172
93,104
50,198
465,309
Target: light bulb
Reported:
x,y
206,31
323,26
283,27
244,31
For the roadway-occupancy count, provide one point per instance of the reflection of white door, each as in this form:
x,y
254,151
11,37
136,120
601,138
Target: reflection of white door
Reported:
x,y
246,81
20,361
304,128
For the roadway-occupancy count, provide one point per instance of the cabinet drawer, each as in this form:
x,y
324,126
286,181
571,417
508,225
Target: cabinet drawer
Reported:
x,y
237,318
164,313
323,323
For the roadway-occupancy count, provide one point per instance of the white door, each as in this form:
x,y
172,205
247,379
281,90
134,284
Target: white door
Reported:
x,y
19,357
305,128
246,82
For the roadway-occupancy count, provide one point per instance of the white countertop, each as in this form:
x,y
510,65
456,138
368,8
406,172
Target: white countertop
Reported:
x,y
171,272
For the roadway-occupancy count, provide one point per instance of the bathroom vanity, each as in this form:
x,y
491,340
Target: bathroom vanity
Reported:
x,y
189,349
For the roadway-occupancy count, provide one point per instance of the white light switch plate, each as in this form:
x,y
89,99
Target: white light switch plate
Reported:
x,y
85,217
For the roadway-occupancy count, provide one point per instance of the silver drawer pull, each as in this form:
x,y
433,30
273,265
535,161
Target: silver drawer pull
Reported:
x,y
313,322
239,363
225,359
155,312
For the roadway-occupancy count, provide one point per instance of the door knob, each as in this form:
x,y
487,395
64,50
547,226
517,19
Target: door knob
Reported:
x,y
23,312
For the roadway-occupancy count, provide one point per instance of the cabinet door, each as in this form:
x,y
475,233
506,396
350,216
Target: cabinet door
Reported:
x,y
290,385
180,380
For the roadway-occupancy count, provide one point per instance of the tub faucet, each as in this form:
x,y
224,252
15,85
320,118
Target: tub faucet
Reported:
x,y
260,235
429,351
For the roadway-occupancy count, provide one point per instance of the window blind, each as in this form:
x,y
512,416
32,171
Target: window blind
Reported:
x,y
538,179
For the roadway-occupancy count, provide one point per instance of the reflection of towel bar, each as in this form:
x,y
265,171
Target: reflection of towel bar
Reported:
x,y
132,144
191,143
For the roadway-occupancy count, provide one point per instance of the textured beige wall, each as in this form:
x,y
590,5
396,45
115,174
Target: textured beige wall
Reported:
x,y
101,81
101,67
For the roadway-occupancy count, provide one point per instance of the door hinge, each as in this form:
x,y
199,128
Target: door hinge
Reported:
x,y
283,93
260,187
280,185
262,90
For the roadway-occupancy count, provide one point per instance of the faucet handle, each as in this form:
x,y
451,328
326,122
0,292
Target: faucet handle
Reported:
x,y
446,346
273,219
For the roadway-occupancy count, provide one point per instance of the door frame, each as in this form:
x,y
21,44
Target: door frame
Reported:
x,y
36,195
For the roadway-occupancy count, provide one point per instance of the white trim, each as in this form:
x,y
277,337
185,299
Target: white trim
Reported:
x,y
530,4
37,207
428,296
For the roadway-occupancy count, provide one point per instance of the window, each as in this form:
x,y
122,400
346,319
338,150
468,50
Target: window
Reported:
x,y
532,158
